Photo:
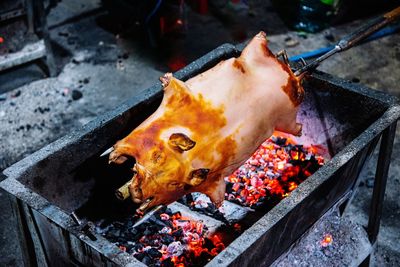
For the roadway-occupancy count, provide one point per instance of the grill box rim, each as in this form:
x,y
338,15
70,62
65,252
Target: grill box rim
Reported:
x,y
24,198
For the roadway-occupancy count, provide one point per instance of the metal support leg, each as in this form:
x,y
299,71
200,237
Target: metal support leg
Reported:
x,y
44,32
29,14
381,175
378,193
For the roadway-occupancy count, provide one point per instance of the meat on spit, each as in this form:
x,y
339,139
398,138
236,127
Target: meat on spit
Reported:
x,y
206,127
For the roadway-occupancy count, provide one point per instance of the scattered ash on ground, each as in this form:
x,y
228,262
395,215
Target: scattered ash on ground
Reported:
x,y
332,241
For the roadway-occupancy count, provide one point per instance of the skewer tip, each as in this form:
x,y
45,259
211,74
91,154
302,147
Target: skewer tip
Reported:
x,y
107,152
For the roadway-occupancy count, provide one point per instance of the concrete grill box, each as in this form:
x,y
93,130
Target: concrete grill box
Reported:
x,y
44,188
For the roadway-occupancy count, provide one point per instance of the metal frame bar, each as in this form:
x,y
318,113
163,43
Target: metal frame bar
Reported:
x,y
29,53
37,23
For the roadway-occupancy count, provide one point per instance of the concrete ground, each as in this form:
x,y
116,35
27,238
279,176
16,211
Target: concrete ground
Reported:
x,y
99,69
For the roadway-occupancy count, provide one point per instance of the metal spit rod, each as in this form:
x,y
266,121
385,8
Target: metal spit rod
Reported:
x,y
148,215
353,39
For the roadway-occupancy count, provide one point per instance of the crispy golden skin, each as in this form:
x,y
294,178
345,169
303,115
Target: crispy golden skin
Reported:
x,y
207,127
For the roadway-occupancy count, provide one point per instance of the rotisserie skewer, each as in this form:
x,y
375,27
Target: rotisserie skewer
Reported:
x,y
353,39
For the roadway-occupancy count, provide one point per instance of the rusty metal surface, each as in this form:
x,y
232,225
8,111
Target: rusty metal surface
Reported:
x,y
39,181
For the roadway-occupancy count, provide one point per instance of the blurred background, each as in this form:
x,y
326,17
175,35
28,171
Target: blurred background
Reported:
x,y
171,33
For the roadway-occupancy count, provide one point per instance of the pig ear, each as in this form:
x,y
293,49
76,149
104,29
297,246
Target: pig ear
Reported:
x,y
198,176
181,142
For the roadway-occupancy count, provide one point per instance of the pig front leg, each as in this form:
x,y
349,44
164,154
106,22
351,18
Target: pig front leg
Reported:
x,y
288,124
215,191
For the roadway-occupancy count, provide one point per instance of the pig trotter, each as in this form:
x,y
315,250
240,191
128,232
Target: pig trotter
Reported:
x,y
284,56
166,79
299,128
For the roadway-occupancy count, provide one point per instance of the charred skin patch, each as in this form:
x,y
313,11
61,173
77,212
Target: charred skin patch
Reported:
x,y
238,65
293,87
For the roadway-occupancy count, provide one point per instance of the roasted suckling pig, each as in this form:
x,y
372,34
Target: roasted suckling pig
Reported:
x,y
206,127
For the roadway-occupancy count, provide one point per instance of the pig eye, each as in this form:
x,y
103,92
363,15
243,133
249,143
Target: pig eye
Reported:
x,y
175,185
187,187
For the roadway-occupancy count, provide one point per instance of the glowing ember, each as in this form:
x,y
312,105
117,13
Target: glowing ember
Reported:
x,y
327,240
169,239
272,172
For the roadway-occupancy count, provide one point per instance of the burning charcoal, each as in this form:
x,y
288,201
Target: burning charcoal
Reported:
x,y
178,233
175,248
129,224
140,256
273,171
164,216
115,232
167,263
168,211
169,223
154,253
280,141
146,259
130,250
167,239
147,231
157,222
138,246
133,231
154,228
229,187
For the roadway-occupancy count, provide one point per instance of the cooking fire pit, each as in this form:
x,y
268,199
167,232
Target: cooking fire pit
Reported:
x,y
68,177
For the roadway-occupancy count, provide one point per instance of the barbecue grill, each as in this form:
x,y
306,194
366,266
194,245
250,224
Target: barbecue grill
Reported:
x,y
66,176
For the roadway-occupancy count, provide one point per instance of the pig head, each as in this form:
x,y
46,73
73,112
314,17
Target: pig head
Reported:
x,y
207,127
